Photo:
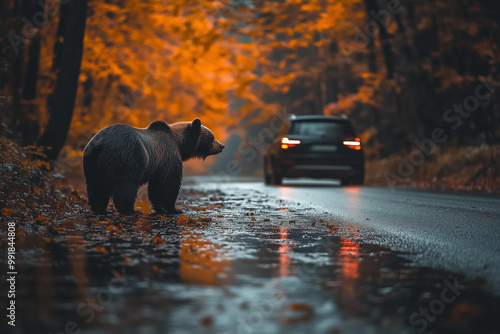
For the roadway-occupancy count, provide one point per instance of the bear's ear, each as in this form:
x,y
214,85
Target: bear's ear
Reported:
x,y
196,125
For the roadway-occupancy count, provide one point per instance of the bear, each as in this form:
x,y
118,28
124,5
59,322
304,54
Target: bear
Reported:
x,y
121,158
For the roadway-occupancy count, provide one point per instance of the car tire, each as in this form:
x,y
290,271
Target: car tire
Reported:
x,y
271,177
267,175
277,179
345,182
358,179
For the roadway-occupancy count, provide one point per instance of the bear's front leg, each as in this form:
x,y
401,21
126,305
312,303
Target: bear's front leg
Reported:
x,y
171,198
162,193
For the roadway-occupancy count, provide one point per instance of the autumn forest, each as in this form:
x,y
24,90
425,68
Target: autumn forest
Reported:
x,y
401,70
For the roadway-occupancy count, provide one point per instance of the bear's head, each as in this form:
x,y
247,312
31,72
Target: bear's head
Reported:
x,y
197,140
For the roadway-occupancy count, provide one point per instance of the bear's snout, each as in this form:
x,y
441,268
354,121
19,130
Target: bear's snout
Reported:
x,y
216,148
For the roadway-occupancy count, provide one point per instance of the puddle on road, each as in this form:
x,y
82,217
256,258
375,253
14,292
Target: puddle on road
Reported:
x,y
233,265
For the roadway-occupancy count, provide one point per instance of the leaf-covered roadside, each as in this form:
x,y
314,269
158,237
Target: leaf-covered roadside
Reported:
x,y
29,190
461,169
35,197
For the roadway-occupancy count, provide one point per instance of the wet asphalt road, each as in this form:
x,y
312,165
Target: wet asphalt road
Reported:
x,y
249,259
457,232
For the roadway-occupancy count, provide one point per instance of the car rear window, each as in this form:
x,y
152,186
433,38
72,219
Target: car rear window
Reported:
x,y
323,129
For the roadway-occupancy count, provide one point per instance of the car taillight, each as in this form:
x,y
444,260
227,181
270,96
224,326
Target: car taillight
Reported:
x,y
354,144
286,142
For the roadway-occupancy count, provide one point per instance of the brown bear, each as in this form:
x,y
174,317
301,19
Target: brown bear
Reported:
x,y
120,158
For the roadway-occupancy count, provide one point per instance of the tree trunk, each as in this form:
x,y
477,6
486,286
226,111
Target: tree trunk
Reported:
x,y
372,9
58,45
67,79
31,77
411,14
24,8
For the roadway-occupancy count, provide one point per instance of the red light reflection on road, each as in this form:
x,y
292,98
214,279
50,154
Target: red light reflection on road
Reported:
x,y
285,193
284,250
353,195
349,254
352,190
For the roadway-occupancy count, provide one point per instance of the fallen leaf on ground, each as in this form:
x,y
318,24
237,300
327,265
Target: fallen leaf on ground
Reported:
x,y
207,321
462,314
304,311
478,281
114,228
100,249
182,219
158,240
300,307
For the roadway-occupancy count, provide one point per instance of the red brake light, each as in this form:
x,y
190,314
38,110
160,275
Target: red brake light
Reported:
x,y
354,144
286,142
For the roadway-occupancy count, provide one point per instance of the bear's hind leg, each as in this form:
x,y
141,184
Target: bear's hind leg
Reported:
x,y
124,196
98,196
154,195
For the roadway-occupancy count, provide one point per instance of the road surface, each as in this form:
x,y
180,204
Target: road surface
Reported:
x,y
456,232
246,258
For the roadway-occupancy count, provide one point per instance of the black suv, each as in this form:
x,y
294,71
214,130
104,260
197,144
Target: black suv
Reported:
x,y
316,147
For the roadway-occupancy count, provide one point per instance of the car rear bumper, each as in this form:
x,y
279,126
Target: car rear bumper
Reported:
x,y
315,167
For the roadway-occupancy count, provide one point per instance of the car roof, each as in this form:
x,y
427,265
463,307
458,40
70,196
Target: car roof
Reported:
x,y
341,118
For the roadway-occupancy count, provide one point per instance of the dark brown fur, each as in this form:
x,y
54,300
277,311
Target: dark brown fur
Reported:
x,y
120,158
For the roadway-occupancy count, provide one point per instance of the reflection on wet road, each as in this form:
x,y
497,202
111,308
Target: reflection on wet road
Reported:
x,y
234,263
459,232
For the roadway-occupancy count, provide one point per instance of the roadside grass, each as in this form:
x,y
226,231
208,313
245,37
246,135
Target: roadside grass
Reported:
x,y
467,168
